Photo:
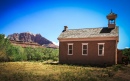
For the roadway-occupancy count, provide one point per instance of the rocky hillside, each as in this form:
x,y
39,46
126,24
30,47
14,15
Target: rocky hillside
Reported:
x,y
29,37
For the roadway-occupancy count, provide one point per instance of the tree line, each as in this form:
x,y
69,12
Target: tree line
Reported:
x,y
9,52
126,57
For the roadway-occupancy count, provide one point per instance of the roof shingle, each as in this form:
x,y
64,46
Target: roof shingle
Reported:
x,y
90,33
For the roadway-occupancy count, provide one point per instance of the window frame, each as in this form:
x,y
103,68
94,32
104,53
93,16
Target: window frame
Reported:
x,y
101,49
70,49
84,49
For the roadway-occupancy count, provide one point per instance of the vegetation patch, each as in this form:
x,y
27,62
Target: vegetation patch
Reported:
x,y
41,71
9,52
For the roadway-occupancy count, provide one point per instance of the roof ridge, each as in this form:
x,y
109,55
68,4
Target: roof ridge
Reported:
x,y
87,28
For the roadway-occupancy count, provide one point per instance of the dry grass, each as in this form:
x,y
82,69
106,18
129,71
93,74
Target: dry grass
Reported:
x,y
39,71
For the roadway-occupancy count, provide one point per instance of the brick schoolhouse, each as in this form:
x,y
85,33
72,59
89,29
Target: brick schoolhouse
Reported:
x,y
94,46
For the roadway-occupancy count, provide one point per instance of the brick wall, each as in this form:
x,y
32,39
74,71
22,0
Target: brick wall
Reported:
x,y
119,56
92,58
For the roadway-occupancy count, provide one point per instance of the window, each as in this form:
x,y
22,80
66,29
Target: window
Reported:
x,y
112,21
70,48
100,49
84,48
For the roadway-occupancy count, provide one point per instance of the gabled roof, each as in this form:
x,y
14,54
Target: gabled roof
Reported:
x,y
89,33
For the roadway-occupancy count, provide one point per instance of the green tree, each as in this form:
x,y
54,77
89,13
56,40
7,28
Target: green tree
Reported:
x,y
16,53
29,53
20,56
33,53
55,54
126,52
4,45
50,54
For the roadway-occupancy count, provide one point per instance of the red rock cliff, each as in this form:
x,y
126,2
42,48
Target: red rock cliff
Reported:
x,y
29,37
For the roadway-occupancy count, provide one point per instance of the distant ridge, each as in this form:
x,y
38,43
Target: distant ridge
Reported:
x,y
30,37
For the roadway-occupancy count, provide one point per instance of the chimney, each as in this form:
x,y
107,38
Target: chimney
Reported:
x,y
65,28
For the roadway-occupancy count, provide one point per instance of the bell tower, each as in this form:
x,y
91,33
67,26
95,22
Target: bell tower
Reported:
x,y
111,19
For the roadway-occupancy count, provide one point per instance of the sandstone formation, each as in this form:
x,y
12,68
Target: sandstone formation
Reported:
x,y
29,37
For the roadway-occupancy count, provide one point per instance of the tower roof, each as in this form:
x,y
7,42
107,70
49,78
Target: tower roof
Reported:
x,y
111,15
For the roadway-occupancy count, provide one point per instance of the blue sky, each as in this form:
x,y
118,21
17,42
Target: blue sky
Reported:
x,y
48,17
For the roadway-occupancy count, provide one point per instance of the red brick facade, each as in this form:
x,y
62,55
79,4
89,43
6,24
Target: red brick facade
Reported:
x,y
101,44
110,47
119,56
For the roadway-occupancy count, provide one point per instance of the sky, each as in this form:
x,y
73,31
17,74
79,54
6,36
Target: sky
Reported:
x,y
48,17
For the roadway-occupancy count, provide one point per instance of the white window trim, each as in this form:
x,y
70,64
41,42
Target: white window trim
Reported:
x,y
82,48
68,48
103,49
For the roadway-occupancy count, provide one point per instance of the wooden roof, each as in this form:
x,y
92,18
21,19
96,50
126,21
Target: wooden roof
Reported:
x,y
90,33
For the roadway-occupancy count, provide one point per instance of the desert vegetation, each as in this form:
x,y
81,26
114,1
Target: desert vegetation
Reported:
x,y
40,71
126,57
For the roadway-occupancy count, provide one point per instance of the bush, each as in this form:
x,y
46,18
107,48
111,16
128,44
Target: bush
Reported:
x,y
41,54
126,57
16,53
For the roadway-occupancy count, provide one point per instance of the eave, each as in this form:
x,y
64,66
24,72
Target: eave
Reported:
x,y
89,39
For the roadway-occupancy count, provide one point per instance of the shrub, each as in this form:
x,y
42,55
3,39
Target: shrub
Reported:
x,y
126,52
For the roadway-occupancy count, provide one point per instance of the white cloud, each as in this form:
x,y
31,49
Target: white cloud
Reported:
x,y
127,47
56,43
